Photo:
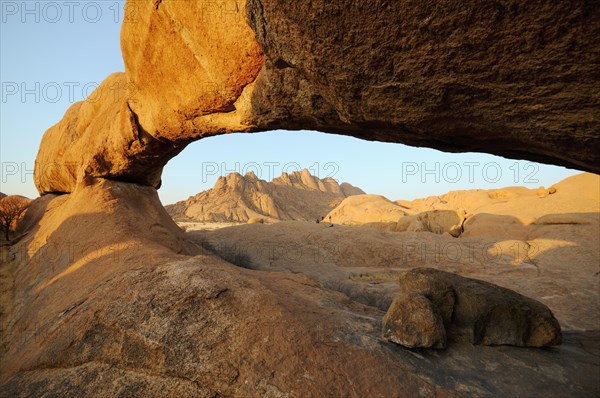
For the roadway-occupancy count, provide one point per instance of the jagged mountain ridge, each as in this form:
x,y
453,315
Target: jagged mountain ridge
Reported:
x,y
294,196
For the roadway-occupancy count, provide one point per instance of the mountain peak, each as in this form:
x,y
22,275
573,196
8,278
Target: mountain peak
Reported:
x,y
250,175
295,196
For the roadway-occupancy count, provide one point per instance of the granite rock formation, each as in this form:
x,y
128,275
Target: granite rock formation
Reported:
x,y
510,78
295,196
434,304
106,300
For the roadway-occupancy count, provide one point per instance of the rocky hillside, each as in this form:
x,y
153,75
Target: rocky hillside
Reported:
x,y
294,196
483,210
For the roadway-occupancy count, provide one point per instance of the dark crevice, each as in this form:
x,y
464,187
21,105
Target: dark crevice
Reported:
x,y
281,64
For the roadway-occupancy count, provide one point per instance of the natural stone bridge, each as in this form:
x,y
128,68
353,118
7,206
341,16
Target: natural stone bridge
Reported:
x,y
512,78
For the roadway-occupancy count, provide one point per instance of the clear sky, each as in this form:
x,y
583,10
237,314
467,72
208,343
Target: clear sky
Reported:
x,y
55,53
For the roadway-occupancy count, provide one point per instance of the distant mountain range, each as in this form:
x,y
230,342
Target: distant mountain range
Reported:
x,y
294,196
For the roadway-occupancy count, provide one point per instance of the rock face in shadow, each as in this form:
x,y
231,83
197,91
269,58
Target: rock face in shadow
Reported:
x,y
469,310
512,78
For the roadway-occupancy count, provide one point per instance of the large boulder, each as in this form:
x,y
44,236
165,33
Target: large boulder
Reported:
x,y
436,221
413,321
471,310
365,209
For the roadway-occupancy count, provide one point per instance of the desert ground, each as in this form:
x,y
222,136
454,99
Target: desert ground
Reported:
x,y
514,238
327,286
522,239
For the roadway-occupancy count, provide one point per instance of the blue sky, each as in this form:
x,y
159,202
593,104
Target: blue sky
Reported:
x,y
53,53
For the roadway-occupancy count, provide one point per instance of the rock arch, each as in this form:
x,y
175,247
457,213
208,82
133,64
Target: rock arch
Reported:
x,y
509,78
